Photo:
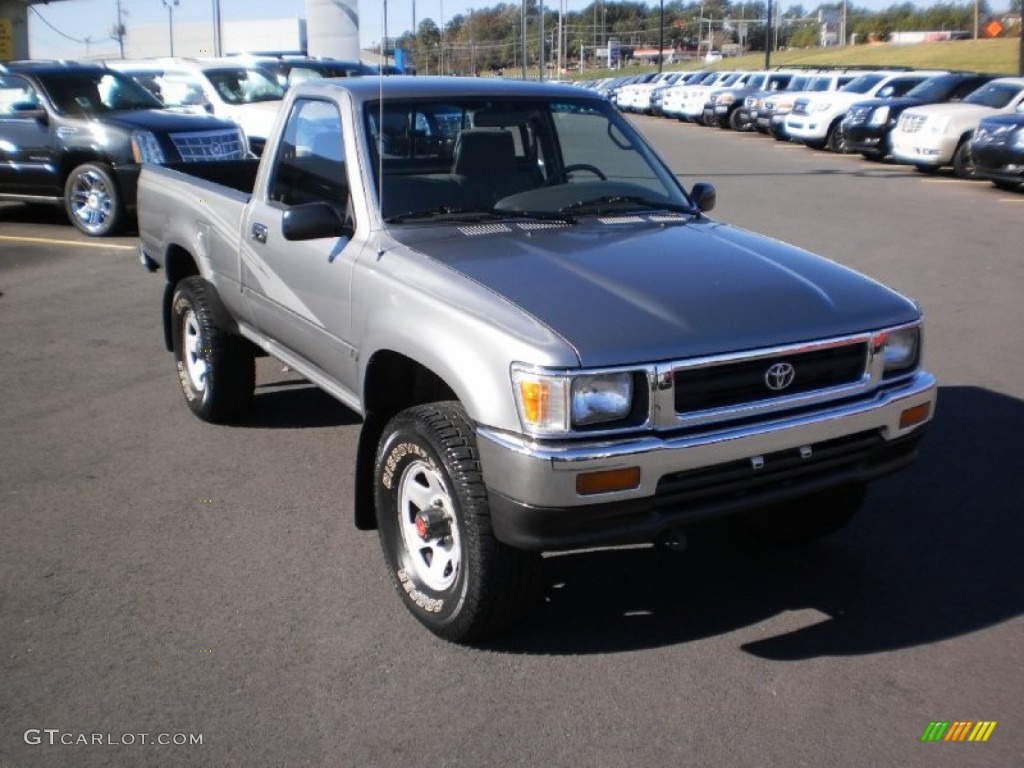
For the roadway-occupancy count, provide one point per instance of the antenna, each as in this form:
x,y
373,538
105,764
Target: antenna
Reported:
x,y
380,133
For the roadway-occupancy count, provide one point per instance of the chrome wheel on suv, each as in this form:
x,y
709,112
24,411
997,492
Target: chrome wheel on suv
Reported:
x,y
92,200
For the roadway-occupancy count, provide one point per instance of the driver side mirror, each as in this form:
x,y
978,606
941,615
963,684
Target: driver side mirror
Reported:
x,y
311,221
703,196
27,110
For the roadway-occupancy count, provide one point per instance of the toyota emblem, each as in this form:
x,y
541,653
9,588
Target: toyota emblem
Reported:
x,y
779,376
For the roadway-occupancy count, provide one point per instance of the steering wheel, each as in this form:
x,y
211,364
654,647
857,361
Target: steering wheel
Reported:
x,y
563,177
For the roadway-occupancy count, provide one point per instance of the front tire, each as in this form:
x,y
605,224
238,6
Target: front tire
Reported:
x,y
963,162
93,201
216,369
434,523
836,141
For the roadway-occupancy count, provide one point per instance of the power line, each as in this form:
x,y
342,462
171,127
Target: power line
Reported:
x,y
62,34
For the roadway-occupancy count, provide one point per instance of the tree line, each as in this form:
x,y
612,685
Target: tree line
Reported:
x,y
492,39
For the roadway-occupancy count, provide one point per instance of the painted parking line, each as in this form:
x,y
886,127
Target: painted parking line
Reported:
x,y
74,243
1011,200
952,181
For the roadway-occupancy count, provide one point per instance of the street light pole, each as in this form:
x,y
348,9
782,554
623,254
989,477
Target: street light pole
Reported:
x,y
661,38
217,45
170,5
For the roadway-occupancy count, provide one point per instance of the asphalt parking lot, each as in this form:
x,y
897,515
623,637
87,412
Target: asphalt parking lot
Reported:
x,y
166,577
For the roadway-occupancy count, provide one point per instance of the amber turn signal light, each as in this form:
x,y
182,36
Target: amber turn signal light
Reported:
x,y
607,481
916,415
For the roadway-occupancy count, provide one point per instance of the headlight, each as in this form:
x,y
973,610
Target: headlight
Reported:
x,y
901,349
600,398
145,148
825,105
243,142
938,124
555,403
880,116
726,98
1017,140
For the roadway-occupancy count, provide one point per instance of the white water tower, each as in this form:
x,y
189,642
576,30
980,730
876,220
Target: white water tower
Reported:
x,y
332,28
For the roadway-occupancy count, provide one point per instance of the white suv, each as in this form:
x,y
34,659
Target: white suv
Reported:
x,y
935,135
772,116
676,97
815,119
231,88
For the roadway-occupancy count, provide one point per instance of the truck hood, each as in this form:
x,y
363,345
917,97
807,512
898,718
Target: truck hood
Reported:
x,y
958,112
163,121
651,291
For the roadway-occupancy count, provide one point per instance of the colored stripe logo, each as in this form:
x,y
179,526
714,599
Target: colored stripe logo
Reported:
x,y
959,730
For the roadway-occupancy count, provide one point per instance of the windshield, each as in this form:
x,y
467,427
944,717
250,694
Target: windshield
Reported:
x,y
863,84
995,95
820,84
94,92
934,89
240,85
798,83
478,157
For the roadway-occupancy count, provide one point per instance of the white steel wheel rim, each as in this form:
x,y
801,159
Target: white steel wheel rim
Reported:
x,y
435,560
91,200
192,342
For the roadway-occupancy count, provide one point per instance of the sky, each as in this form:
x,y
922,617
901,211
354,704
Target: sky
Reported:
x,y
93,18
81,19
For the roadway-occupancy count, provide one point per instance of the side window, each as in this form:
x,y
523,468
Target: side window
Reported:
x,y
310,162
900,87
16,95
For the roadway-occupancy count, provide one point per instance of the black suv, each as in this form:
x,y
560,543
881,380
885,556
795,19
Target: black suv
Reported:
x,y
76,134
867,124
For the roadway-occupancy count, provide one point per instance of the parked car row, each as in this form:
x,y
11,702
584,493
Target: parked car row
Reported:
x,y
971,121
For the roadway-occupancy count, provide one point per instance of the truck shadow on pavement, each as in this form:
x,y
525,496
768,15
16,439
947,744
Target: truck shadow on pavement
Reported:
x,y
295,404
934,554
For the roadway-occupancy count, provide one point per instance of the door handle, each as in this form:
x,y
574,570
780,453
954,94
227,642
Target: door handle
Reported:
x,y
259,233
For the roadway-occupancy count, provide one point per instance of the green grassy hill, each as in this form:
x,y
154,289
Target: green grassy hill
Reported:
x,y
1000,56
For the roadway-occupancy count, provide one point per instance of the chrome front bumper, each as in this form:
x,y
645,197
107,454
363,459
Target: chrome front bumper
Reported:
x,y
540,474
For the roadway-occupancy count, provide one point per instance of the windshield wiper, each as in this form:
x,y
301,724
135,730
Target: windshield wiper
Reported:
x,y
478,214
634,202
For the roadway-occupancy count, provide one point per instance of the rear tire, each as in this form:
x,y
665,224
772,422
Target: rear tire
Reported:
x,y
434,522
216,369
802,521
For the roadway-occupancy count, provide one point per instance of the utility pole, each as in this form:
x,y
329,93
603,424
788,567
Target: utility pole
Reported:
x,y
117,31
768,38
542,59
522,21
218,46
661,39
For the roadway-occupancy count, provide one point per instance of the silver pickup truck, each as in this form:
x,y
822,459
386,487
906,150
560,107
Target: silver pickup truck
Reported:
x,y
551,345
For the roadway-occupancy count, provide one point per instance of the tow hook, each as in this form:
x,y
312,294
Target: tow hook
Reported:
x,y
433,523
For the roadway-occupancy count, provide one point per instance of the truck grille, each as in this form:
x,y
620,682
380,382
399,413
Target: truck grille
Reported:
x,y
208,145
801,107
911,123
740,382
857,115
